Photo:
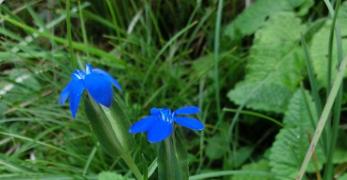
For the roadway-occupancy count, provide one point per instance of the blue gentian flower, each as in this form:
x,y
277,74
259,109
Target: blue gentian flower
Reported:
x,y
97,82
160,123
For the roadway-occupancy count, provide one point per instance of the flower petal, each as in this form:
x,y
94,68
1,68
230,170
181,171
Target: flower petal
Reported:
x,y
65,93
188,110
190,123
160,131
142,125
89,68
113,80
155,111
76,90
99,87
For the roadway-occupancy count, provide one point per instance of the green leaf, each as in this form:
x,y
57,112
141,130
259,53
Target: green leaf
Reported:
x,y
343,177
255,16
297,114
319,47
292,142
215,148
262,165
110,176
274,68
340,154
241,156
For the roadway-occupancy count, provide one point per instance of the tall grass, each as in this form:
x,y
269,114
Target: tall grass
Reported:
x,y
165,54
152,58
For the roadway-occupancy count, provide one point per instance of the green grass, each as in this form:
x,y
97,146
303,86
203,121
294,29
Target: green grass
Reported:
x,y
171,53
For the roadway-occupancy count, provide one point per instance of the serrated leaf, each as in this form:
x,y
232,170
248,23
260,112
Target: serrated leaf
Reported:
x,y
319,46
289,151
274,67
297,114
255,16
292,142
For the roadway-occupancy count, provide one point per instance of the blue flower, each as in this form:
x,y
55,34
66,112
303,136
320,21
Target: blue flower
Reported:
x,y
160,123
97,82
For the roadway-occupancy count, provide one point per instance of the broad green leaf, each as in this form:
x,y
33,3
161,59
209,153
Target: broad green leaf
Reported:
x,y
110,176
343,177
340,154
319,46
262,165
292,142
297,114
255,16
274,68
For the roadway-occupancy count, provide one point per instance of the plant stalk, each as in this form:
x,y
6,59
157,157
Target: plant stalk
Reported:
x,y
323,118
132,165
216,60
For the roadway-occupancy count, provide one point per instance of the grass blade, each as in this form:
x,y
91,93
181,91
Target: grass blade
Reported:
x,y
324,117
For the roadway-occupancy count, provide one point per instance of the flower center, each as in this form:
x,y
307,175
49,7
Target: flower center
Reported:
x,y
79,74
167,116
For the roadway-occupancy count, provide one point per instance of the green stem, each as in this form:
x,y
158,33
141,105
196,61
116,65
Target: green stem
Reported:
x,y
323,118
315,92
329,171
216,60
172,159
132,165
69,33
333,130
113,16
255,114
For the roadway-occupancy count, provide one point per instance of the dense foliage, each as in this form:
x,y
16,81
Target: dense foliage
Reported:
x,y
258,70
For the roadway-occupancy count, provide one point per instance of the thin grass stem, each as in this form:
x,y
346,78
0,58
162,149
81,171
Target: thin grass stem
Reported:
x,y
69,33
216,55
255,114
323,118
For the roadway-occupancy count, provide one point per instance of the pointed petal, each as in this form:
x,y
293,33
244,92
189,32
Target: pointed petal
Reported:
x,y
76,90
160,131
89,68
99,87
113,80
142,125
65,93
190,123
187,110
